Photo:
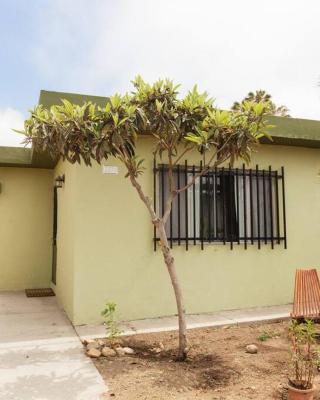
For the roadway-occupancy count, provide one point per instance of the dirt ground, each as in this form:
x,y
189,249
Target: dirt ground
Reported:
x,y
218,366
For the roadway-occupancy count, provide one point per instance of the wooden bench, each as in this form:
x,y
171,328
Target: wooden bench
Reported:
x,y
306,303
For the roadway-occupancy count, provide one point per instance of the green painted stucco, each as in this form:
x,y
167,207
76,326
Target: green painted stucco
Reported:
x,y
105,247
25,228
66,236
113,257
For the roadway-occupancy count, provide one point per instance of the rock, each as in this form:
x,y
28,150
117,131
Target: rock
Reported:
x,y
161,346
85,342
116,342
108,352
128,350
94,353
156,350
93,345
100,342
120,351
252,349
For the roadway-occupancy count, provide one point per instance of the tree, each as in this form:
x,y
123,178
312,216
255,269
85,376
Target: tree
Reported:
x,y
262,95
178,126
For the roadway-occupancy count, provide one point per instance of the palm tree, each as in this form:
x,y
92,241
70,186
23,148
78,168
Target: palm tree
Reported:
x,y
263,96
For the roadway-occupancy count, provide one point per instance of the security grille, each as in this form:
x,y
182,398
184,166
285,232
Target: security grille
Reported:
x,y
226,205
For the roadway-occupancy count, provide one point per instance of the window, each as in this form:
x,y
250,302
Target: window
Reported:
x,y
225,205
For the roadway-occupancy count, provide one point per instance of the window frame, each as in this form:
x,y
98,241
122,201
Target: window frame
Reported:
x,y
270,186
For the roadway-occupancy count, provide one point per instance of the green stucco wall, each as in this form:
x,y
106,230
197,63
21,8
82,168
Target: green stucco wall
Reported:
x,y
114,258
25,228
64,287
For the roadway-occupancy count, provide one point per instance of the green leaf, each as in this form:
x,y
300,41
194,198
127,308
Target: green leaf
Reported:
x,y
107,108
194,139
115,118
115,101
123,121
19,131
158,105
67,106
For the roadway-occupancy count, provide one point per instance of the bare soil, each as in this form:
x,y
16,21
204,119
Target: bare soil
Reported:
x,y
218,366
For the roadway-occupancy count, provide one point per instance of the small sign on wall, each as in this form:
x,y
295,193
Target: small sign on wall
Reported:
x,y
110,169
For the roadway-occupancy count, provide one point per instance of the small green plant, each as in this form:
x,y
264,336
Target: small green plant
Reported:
x,y
304,355
265,335
112,327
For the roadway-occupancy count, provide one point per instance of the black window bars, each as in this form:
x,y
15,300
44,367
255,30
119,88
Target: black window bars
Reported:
x,y
225,205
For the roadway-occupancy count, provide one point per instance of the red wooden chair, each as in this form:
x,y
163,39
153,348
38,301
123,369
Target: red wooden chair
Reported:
x,y
306,303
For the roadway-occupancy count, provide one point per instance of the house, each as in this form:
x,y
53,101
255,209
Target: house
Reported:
x,y
238,234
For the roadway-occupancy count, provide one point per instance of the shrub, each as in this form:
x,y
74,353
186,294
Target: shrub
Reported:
x,y
109,314
304,355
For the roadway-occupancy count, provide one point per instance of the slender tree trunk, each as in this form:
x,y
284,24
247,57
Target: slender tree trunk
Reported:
x,y
169,261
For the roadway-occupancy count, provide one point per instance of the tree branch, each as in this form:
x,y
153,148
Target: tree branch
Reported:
x,y
146,199
174,192
181,155
168,206
167,209
207,168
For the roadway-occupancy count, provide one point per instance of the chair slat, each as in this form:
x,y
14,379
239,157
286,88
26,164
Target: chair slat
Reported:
x,y
306,302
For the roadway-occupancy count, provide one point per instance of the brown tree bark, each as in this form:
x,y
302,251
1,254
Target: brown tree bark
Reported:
x,y
159,223
169,261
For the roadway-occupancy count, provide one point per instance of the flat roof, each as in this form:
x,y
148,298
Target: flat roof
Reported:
x,y
27,157
48,98
294,132
287,132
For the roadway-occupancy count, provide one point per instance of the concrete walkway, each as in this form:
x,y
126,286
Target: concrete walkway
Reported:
x,y
193,321
41,357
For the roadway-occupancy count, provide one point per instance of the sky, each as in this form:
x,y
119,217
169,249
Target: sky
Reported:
x,y
97,47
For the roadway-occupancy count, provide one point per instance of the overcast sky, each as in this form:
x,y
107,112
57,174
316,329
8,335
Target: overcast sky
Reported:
x,y
96,47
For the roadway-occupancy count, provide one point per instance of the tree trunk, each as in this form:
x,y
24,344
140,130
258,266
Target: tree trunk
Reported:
x,y
169,261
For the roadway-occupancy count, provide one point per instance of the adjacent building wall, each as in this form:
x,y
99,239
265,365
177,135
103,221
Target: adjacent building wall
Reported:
x,y
25,228
64,287
114,258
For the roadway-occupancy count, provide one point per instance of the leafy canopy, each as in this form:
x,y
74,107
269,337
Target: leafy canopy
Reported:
x,y
88,132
